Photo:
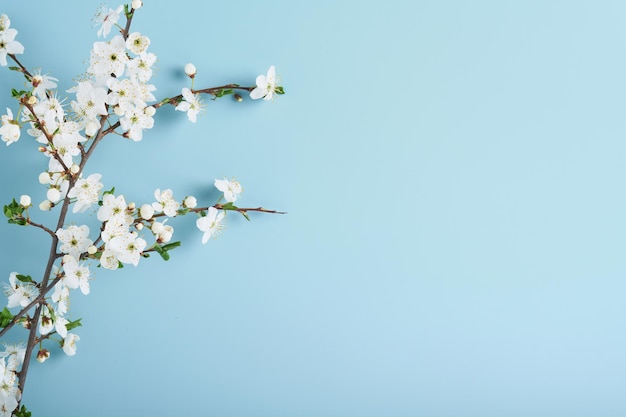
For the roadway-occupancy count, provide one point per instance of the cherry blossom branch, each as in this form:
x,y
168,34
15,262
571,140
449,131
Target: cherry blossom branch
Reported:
x,y
99,136
30,345
129,18
132,118
41,127
211,91
225,207
243,210
32,337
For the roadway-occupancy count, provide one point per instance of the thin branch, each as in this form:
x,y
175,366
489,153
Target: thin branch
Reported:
x,y
30,345
244,210
42,127
42,227
222,207
23,69
212,91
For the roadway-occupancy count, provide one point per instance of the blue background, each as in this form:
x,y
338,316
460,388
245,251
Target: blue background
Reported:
x,y
453,173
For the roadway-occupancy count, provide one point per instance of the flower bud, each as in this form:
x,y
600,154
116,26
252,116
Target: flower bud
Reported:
x,y
32,100
136,4
157,228
42,149
45,205
139,226
92,250
44,178
36,80
238,97
74,169
91,128
53,195
166,235
131,206
149,111
25,201
190,70
190,202
146,212
42,355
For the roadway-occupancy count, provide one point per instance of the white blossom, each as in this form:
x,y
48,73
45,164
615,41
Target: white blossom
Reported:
x,y
10,130
231,189
146,211
137,43
210,224
140,67
134,122
108,19
108,58
162,231
86,191
191,104
43,83
128,248
69,344
19,293
109,260
74,240
8,44
76,274
46,324
265,85
61,296
165,202
112,207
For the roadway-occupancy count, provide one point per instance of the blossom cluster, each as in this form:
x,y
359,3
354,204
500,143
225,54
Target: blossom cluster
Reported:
x,y
11,358
115,96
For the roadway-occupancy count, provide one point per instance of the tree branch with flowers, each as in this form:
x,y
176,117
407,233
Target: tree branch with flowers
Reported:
x,y
114,98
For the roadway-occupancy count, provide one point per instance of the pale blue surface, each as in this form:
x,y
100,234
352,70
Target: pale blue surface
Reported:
x,y
454,176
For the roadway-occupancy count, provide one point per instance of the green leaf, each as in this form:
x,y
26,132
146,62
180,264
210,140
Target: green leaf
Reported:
x,y
224,91
15,69
5,317
244,214
23,412
73,324
171,246
229,206
279,90
17,94
161,251
14,212
24,278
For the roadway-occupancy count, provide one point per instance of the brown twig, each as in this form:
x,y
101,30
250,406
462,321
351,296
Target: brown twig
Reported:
x,y
41,226
23,69
211,91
